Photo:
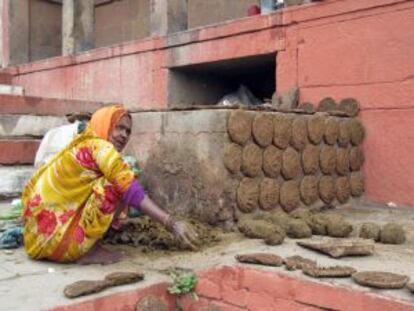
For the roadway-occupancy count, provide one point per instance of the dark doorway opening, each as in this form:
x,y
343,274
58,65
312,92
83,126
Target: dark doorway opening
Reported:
x,y
207,83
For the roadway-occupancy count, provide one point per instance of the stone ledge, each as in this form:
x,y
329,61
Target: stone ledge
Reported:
x,y
10,104
28,125
13,180
18,151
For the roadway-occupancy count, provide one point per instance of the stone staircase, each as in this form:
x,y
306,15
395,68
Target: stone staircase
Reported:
x,y
24,120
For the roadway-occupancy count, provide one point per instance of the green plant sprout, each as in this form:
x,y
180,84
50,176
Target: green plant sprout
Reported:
x,y
183,283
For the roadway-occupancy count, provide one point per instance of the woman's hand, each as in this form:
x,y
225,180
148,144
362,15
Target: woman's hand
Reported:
x,y
185,234
181,230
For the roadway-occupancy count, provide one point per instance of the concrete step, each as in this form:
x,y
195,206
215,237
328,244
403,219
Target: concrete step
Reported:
x,y
28,125
29,105
18,151
13,179
7,89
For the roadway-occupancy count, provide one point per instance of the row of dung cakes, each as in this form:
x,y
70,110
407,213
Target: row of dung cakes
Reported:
x,y
252,161
305,157
297,130
268,193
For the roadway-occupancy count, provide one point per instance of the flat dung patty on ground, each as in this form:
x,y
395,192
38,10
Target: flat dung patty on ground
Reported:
x,y
121,278
328,272
297,262
82,288
261,259
379,279
337,248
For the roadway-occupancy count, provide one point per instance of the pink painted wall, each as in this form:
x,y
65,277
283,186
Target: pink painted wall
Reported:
x,y
340,48
366,54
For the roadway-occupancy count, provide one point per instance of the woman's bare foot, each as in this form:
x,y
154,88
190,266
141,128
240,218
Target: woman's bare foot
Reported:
x,y
99,255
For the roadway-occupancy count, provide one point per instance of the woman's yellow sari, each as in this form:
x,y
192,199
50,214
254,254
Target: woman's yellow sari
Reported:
x,y
69,203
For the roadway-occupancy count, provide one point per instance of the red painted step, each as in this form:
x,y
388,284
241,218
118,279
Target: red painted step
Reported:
x,y
5,78
18,151
11,104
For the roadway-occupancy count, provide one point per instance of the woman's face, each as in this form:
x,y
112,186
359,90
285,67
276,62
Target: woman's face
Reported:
x,y
120,133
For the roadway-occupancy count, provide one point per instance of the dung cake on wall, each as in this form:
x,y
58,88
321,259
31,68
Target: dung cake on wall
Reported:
x,y
292,160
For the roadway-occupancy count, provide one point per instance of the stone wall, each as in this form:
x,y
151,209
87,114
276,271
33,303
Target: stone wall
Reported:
x,y
45,30
202,13
218,163
122,21
182,156
128,20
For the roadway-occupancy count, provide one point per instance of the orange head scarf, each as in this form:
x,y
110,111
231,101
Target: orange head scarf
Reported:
x,y
104,120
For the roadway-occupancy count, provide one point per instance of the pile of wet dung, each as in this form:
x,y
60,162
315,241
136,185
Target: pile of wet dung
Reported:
x,y
370,230
273,226
143,231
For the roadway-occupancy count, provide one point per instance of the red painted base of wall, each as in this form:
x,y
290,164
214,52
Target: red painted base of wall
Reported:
x,y
238,288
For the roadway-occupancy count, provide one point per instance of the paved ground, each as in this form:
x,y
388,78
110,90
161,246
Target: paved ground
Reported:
x,y
29,285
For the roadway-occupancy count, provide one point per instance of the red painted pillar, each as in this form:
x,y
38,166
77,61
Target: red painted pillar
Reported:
x,y
287,62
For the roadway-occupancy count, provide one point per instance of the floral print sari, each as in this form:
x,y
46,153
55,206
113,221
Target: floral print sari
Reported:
x,y
70,202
